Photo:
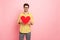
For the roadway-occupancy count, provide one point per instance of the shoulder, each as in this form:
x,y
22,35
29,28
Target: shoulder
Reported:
x,y
30,13
21,14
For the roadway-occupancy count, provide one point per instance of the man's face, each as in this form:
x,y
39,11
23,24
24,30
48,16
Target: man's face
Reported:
x,y
26,8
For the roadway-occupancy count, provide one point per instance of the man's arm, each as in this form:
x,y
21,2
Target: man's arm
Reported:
x,y
31,22
19,20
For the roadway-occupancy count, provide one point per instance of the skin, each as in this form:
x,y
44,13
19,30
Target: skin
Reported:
x,y
26,9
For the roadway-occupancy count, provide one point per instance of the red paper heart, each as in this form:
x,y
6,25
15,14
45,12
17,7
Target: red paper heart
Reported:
x,y
25,19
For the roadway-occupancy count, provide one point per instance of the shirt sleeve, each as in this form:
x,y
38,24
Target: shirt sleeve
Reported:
x,y
32,19
19,20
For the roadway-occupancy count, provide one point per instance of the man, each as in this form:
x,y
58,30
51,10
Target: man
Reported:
x,y
25,20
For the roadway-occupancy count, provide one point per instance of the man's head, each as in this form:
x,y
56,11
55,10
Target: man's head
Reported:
x,y
26,7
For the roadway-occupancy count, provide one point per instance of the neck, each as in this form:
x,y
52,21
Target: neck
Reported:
x,y
26,11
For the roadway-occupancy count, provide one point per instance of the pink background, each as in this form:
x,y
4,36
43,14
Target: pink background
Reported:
x,y
46,16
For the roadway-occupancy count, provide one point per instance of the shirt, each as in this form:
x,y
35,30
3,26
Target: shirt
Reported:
x,y
25,28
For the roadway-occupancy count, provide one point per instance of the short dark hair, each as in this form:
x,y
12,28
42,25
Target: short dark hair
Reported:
x,y
26,4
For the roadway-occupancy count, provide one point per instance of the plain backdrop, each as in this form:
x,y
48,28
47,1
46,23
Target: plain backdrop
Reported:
x,y
46,15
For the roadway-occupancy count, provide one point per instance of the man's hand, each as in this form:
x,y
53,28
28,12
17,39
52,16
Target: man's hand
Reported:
x,y
30,23
20,22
